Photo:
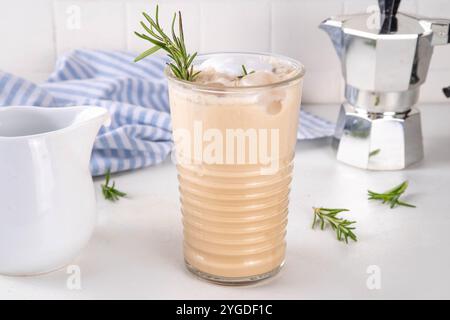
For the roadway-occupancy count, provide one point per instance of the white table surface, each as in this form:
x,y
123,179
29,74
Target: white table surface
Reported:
x,y
136,251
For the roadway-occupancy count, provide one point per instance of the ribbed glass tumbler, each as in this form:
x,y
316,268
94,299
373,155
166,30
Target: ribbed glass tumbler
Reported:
x,y
234,150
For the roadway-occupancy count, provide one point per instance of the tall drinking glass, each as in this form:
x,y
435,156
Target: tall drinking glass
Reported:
x,y
234,149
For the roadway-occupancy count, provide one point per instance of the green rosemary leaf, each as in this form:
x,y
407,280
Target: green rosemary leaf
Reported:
x,y
342,227
176,71
110,192
180,27
401,203
155,42
244,72
147,53
151,21
143,36
374,152
174,36
391,196
149,30
191,59
176,59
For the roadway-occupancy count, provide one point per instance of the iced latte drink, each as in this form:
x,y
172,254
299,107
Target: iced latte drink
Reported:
x,y
234,131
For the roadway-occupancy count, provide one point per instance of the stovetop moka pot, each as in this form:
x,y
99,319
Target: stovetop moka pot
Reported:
x,y
385,58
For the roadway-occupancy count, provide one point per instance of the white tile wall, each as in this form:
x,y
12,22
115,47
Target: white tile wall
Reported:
x,y
26,38
89,24
236,25
299,36
34,32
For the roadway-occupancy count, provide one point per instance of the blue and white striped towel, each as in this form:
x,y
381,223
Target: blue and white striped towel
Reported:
x,y
134,94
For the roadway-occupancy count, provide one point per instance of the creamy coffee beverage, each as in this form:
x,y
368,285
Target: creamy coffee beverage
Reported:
x,y
235,130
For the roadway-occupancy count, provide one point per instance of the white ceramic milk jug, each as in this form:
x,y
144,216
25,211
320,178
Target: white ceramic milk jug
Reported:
x,y
47,198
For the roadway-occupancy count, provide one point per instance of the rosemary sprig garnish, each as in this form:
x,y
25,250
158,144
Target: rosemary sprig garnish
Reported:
x,y
343,228
392,196
110,192
175,47
245,73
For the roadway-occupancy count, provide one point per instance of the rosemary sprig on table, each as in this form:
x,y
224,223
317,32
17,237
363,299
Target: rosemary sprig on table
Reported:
x,y
175,47
374,152
343,228
392,196
245,73
110,192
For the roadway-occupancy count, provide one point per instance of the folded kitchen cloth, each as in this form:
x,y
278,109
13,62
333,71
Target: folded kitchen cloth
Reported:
x,y
135,96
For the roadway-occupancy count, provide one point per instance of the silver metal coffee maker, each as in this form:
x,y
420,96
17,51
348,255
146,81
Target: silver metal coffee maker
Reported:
x,y
385,57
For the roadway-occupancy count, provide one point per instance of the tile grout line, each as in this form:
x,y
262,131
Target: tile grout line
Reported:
x,y
126,12
200,4
54,36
